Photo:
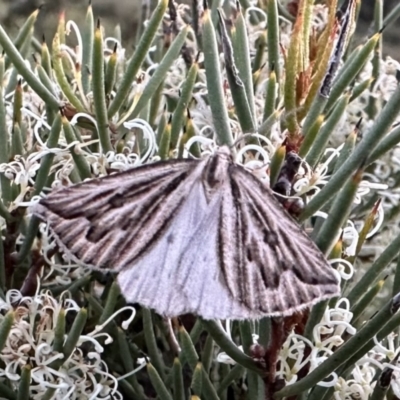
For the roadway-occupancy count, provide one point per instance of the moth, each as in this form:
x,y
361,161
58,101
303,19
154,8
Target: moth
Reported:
x,y
192,236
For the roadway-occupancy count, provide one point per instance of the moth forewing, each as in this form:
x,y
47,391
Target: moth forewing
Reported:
x,y
192,236
111,211
277,266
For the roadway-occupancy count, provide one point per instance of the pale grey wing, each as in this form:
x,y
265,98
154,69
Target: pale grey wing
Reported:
x,y
269,262
109,222
182,272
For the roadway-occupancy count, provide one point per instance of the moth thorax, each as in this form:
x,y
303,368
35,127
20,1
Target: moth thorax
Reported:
x,y
216,170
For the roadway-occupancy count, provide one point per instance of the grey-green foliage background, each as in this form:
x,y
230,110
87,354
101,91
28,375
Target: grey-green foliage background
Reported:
x,y
127,13
148,332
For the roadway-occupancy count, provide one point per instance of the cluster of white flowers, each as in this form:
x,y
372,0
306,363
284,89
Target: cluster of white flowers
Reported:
x,y
30,342
298,352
